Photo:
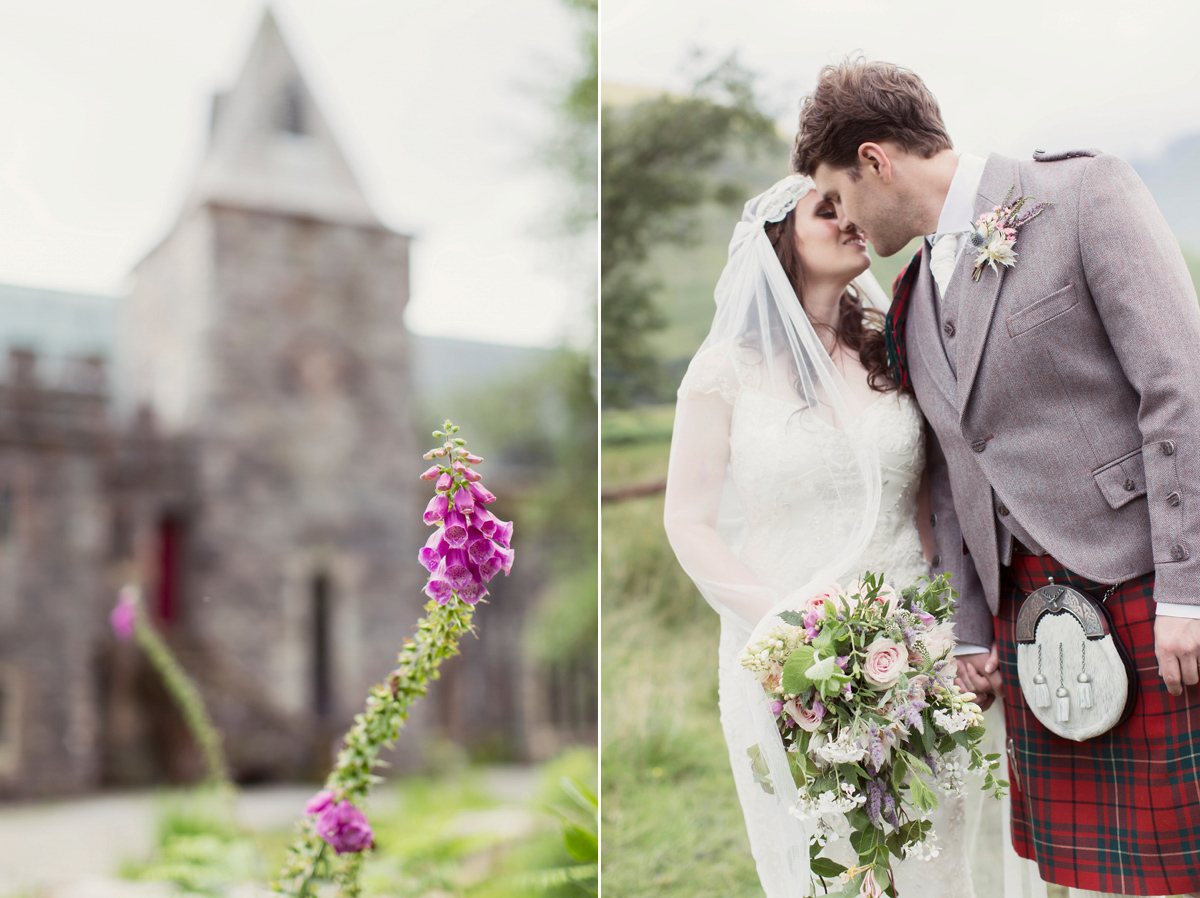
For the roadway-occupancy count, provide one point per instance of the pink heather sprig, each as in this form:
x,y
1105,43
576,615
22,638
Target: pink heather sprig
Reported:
x,y
468,547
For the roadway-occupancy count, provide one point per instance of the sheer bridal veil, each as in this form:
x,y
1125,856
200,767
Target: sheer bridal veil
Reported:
x,y
762,341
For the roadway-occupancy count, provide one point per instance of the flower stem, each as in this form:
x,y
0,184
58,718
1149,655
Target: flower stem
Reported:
x,y
187,696
375,728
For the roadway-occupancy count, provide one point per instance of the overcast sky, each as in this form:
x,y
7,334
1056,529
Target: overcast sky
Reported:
x,y
439,107
1010,76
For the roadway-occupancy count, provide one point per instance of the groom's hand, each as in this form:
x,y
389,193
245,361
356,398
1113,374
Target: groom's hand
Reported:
x,y
1177,647
980,673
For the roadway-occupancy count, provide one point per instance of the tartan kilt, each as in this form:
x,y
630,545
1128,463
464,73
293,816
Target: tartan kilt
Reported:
x,y
1120,812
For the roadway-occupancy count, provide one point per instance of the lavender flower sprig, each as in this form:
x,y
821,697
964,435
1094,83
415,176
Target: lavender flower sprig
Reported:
x,y
467,549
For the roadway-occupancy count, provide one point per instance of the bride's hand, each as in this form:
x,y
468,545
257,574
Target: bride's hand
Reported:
x,y
980,673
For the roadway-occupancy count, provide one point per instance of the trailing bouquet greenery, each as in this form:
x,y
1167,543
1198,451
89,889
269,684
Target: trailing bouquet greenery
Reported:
x,y
861,683
469,546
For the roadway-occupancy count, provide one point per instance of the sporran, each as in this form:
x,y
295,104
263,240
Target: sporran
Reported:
x,y
1077,678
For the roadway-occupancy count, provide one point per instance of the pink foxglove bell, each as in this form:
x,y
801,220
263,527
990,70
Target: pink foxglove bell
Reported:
x,y
470,545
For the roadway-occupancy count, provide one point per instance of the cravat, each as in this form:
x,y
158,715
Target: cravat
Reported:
x,y
941,260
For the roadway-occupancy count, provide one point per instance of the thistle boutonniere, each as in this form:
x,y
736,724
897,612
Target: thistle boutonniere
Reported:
x,y
995,232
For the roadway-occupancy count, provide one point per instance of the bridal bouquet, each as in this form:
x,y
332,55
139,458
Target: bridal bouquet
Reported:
x,y
861,683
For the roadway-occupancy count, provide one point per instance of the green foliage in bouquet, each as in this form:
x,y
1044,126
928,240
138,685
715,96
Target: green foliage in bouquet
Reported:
x,y
862,687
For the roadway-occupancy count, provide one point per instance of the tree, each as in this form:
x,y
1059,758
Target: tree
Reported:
x,y
658,162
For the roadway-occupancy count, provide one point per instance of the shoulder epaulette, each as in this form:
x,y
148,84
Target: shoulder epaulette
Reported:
x,y
1043,156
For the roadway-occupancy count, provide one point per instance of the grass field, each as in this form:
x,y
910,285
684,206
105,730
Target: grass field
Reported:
x,y
671,823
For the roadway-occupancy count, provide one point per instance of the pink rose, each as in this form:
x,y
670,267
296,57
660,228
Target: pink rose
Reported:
x,y
805,719
940,640
884,663
888,596
816,602
774,679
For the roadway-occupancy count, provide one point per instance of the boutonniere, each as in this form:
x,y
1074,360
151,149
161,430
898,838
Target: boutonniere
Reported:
x,y
995,232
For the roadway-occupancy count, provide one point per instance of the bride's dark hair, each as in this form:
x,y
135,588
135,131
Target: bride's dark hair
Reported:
x,y
858,329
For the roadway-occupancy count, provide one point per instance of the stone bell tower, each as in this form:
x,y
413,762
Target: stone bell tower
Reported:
x,y
266,328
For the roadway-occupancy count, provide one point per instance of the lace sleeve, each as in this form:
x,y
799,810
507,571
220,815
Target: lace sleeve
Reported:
x,y
712,371
720,368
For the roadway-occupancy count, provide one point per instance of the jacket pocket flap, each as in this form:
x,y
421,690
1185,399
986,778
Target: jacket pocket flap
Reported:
x,y
1123,479
1043,310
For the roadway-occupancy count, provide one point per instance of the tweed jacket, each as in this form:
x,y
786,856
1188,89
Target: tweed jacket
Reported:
x,y
1076,405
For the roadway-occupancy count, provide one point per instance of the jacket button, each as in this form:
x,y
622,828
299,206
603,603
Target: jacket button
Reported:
x,y
979,445
948,329
1129,486
937,560
1179,553
933,519
1168,447
1002,510
1173,499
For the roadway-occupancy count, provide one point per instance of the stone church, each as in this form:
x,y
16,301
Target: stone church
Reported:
x,y
237,436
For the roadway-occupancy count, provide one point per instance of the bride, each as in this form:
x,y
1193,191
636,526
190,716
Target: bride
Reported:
x,y
796,461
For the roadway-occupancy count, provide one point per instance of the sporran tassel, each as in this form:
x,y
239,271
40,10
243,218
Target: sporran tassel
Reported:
x,y
1085,691
1085,681
1041,692
1064,705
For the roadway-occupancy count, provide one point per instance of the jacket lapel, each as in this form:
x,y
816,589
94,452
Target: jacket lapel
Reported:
x,y
924,333
977,299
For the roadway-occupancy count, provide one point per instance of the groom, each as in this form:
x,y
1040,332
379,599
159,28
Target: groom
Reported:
x,y
1063,399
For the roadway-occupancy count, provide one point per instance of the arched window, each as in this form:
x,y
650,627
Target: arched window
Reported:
x,y
322,660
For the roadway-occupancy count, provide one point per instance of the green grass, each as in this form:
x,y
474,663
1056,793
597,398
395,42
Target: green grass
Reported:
x,y
425,843
671,824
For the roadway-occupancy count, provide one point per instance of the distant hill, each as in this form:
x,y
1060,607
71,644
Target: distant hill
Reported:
x,y
1174,179
58,325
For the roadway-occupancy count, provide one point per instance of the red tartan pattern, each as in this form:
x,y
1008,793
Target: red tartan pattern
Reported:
x,y
895,326
1121,812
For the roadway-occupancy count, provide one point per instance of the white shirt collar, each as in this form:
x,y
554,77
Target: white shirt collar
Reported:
x,y
958,212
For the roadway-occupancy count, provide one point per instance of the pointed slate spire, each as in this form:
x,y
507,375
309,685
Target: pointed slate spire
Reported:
x,y
270,146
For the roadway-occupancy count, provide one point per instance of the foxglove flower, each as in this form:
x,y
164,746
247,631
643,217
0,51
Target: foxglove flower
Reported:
x,y
345,828
124,615
319,802
455,532
470,545
436,509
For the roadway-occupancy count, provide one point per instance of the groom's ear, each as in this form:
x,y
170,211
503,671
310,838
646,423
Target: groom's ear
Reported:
x,y
875,157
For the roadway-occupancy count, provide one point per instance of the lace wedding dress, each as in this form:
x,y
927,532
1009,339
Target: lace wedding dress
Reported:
x,y
790,518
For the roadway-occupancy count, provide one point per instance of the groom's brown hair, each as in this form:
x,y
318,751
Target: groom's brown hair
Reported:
x,y
858,102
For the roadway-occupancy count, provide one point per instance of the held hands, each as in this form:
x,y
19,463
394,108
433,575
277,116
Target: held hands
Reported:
x,y
1177,647
980,673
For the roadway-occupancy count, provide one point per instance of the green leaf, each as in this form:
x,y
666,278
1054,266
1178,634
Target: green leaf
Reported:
x,y
795,680
920,765
581,844
899,768
923,796
826,868
795,618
